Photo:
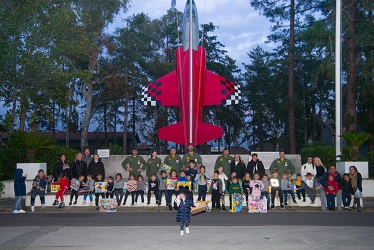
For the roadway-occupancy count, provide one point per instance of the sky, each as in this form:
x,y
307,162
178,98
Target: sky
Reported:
x,y
241,27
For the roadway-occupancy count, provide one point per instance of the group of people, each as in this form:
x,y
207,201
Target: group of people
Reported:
x,y
230,176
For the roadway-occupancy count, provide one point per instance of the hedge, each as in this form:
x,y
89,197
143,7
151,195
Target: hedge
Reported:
x,y
370,157
50,156
9,157
326,153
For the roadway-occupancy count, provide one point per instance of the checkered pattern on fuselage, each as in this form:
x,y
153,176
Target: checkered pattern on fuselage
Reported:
x,y
232,92
151,94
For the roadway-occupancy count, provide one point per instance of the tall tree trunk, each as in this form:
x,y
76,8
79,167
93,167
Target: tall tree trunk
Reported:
x,y
260,133
13,113
126,112
291,82
87,115
351,71
115,125
54,119
105,121
23,107
314,122
67,123
88,95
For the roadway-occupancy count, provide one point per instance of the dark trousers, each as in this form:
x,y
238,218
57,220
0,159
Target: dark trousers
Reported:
x,y
300,192
109,195
202,192
266,194
97,197
73,194
141,194
184,223
166,196
356,201
346,198
216,198
132,197
169,196
156,192
119,195
280,194
246,195
330,198
285,194
41,194
311,193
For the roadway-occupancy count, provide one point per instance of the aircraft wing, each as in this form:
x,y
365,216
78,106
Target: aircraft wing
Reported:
x,y
219,91
162,92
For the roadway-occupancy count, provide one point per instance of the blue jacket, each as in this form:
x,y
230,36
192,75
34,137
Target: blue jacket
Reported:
x,y
325,177
183,212
19,183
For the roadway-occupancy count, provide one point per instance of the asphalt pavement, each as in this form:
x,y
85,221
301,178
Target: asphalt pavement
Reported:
x,y
280,229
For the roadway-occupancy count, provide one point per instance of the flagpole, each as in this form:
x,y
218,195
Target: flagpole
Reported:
x,y
338,87
191,72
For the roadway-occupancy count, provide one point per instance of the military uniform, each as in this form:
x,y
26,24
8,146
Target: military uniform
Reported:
x,y
153,166
134,162
188,157
225,162
174,162
282,166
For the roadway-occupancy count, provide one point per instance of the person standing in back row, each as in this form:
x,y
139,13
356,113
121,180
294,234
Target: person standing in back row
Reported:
x,y
282,164
238,167
255,166
96,167
224,161
154,164
134,163
78,166
191,156
87,156
173,160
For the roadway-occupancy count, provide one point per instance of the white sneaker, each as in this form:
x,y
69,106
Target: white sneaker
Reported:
x,y
135,203
21,211
187,230
32,208
15,211
90,203
182,233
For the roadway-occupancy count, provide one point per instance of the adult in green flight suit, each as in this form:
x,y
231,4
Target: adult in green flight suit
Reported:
x,y
135,164
154,164
224,161
191,155
174,160
282,164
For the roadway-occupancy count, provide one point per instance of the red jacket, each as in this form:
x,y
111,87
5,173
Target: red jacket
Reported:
x,y
334,184
64,183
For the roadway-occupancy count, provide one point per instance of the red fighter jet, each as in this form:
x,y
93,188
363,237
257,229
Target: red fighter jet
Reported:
x,y
190,88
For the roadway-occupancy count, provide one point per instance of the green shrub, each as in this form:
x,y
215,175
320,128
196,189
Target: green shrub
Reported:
x,y
370,157
115,149
9,157
326,153
50,156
